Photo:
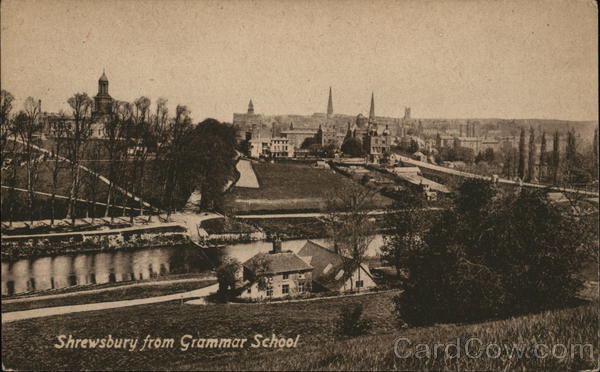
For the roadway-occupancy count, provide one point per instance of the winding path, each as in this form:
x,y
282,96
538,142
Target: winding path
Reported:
x,y
61,310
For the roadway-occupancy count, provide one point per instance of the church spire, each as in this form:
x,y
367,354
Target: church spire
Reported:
x,y
250,107
372,110
330,104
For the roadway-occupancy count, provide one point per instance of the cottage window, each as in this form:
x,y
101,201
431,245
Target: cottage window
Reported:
x,y
301,287
269,292
285,289
359,284
286,276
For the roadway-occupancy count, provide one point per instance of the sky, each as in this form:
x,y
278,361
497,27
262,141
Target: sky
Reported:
x,y
444,59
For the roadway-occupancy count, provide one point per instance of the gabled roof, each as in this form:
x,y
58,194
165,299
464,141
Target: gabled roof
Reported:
x,y
278,262
327,265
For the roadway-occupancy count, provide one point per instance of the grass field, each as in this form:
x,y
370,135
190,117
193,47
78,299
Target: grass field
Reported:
x,y
119,294
285,186
29,344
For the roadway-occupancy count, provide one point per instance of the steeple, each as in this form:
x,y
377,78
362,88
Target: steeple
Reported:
x,y
372,110
250,107
330,104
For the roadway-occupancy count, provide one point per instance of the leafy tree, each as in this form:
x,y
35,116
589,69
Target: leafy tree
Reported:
x,y
353,147
493,255
413,147
227,275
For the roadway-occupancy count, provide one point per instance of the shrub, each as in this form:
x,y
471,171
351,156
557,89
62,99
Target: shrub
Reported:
x,y
350,323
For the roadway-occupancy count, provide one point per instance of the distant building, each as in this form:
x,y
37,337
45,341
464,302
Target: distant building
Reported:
x,y
102,101
284,274
101,111
330,273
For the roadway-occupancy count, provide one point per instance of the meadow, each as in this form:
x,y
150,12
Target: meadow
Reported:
x,y
29,344
287,187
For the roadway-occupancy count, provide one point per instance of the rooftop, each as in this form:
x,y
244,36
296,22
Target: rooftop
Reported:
x,y
283,262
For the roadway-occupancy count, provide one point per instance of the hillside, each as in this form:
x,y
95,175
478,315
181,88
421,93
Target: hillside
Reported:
x,y
29,344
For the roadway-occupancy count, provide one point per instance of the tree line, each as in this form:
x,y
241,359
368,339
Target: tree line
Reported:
x,y
150,159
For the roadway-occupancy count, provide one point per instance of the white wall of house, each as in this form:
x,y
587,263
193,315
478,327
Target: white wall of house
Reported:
x,y
364,276
281,285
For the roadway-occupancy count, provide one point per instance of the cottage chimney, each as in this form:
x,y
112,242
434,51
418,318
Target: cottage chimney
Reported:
x,y
276,245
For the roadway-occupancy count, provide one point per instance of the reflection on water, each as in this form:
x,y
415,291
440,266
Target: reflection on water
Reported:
x,y
43,273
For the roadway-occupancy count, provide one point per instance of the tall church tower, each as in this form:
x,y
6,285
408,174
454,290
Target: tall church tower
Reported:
x,y
102,101
250,107
330,104
372,110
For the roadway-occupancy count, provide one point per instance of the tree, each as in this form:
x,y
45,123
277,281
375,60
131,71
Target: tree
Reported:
x,y
349,225
60,134
542,157
531,156
522,155
81,106
143,141
115,127
493,255
556,158
227,275
213,152
8,160
405,224
595,153
27,124
353,147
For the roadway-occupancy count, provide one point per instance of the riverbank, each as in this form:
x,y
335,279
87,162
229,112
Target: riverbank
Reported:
x,y
36,245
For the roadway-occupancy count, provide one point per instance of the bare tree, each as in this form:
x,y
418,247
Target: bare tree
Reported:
x,y
81,106
60,130
113,131
8,159
27,124
349,226
143,141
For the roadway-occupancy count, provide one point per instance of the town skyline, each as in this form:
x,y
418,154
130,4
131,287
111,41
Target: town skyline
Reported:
x,y
440,61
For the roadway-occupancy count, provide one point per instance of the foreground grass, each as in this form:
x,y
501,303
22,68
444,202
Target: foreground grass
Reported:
x,y
117,294
29,344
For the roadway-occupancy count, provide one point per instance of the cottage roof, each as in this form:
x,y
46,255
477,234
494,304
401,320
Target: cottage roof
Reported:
x,y
328,265
278,262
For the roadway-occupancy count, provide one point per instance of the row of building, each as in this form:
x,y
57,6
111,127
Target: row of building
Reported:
x,y
327,129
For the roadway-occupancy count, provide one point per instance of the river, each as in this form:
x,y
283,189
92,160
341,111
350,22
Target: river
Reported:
x,y
61,271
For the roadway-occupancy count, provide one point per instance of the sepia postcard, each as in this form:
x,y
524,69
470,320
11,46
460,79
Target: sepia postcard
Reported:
x,y
252,185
